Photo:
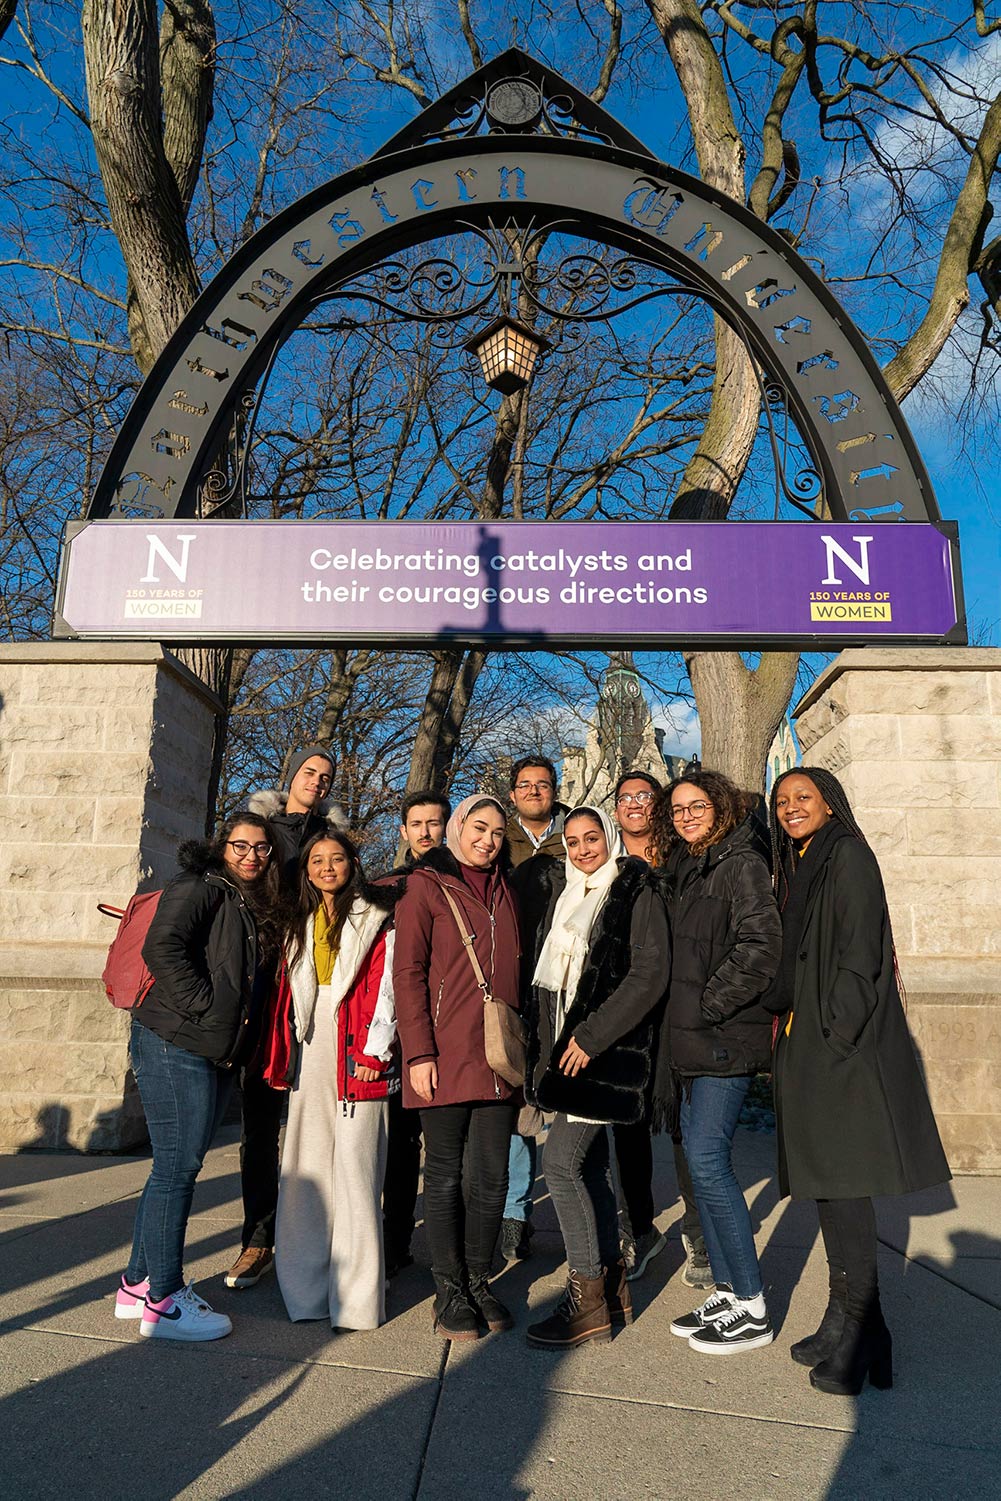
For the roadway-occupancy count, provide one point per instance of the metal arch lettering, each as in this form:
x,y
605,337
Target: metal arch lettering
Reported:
x,y
804,340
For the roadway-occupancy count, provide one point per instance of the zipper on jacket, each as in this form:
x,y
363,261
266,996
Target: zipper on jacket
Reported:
x,y
437,1007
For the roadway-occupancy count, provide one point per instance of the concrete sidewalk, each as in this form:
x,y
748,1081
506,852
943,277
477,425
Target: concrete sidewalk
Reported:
x,y
281,1410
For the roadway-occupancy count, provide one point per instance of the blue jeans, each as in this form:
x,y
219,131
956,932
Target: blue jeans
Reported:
x,y
709,1115
185,1098
521,1161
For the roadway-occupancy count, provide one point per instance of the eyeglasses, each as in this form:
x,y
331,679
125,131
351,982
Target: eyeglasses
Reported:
x,y
641,798
533,786
242,848
694,810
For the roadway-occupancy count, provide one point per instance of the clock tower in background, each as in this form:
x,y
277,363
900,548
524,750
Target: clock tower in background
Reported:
x,y
620,737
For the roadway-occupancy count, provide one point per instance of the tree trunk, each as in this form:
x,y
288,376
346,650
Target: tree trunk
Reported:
x,y
740,709
458,707
121,53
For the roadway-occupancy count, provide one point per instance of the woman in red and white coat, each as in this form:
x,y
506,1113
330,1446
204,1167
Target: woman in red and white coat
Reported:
x,y
338,956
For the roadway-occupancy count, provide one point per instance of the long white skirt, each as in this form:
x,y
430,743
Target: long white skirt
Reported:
x,y
328,1235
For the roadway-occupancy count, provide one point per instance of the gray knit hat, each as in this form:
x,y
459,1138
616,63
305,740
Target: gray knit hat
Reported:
x,y
301,757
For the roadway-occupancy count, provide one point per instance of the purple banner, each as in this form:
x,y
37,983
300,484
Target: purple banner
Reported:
x,y
516,583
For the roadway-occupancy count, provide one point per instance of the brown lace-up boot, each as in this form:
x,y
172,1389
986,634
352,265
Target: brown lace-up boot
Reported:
x,y
580,1315
618,1294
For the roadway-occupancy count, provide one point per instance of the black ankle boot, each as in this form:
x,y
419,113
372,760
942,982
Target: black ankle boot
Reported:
x,y
864,1349
454,1315
824,1342
491,1310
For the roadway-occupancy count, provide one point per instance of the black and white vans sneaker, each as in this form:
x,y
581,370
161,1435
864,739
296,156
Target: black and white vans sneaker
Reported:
x,y
736,1329
716,1305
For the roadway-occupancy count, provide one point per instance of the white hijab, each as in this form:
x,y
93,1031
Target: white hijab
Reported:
x,y
564,952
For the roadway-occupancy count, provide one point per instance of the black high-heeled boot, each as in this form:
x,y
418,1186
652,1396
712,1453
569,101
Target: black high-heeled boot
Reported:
x,y
824,1342
864,1349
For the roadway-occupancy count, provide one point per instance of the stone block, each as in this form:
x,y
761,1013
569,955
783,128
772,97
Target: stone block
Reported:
x,y
54,774
118,820
65,915
107,1123
47,868
972,930
74,727
57,1070
126,729
956,1035
973,1089
973,832
90,1015
941,692
28,1123
924,784
972,1142
886,830
47,820
12,680
28,1014
949,737
821,718
951,882
110,685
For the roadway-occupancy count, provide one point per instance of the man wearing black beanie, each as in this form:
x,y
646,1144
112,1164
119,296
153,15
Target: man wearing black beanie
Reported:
x,y
295,814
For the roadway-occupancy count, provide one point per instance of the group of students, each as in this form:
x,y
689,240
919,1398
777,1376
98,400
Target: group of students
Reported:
x,y
659,962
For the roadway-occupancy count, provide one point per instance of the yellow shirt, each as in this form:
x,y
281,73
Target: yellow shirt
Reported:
x,y
324,949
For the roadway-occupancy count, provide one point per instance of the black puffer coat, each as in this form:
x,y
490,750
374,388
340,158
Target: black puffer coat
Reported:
x,y
853,1117
612,1016
201,950
727,939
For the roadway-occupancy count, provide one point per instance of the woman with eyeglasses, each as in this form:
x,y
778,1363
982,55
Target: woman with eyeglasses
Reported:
x,y
852,1113
339,961
212,949
726,942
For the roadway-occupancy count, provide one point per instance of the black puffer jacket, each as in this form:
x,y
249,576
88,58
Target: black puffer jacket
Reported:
x,y
612,1016
201,950
727,938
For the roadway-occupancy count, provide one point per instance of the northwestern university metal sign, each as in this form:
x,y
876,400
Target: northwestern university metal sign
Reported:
x,y
512,583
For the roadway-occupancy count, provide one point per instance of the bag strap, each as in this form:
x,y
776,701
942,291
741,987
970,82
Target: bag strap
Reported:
x,y
467,939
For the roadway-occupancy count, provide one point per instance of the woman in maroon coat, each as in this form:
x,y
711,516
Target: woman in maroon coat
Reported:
x,y
467,1111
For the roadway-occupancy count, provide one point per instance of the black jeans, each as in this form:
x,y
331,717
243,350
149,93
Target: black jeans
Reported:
x,y
262,1120
579,1178
463,1218
634,1160
403,1171
849,1230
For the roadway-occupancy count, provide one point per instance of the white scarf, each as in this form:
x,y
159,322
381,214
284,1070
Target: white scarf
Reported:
x,y
561,962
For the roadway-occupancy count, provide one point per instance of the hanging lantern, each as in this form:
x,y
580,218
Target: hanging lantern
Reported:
x,y
507,351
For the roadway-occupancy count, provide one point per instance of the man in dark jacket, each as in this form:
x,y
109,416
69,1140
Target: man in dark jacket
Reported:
x,y
423,817
295,814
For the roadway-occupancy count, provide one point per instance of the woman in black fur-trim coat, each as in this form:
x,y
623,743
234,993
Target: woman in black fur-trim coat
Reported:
x,y
600,975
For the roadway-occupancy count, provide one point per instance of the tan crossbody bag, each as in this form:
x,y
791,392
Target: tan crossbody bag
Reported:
x,y
504,1035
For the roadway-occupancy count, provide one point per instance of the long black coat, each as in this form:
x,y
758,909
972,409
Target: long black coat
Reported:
x,y
612,1015
853,1116
201,950
727,938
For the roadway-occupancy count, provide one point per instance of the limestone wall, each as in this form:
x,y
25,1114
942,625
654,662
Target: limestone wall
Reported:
x,y
915,736
104,764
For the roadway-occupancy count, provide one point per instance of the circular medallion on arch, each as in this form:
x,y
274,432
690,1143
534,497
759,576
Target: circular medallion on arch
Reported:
x,y
514,104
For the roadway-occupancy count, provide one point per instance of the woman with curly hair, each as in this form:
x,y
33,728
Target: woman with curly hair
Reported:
x,y
338,956
852,1113
726,937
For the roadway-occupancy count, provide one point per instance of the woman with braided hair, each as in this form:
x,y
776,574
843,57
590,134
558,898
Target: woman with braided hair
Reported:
x,y
852,1113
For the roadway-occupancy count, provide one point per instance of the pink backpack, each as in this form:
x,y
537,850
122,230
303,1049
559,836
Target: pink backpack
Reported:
x,y
126,977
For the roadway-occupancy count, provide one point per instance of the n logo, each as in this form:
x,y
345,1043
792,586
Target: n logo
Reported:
x,y
177,566
859,568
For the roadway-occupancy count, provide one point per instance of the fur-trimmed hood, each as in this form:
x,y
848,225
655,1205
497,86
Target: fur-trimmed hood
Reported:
x,y
271,803
196,858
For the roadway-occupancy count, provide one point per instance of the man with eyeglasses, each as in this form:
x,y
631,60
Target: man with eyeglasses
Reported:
x,y
535,842
634,795
295,814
